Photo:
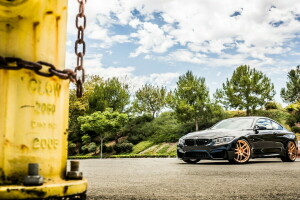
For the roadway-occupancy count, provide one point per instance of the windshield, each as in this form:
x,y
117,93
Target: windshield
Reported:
x,y
234,123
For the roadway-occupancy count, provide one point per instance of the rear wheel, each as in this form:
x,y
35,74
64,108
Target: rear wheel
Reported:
x,y
191,161
291,152
242,152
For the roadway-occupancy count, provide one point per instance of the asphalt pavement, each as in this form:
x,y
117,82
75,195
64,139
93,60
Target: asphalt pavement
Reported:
x,y
170,178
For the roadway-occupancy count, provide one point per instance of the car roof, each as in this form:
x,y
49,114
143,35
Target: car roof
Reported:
x,y
251,117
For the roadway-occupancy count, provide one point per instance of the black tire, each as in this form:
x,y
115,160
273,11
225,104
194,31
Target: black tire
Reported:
x,y
242,152
191,161
290,153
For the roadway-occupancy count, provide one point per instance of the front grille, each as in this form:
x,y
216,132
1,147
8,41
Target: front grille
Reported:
x,y
201,142
189,142
197,142
195,154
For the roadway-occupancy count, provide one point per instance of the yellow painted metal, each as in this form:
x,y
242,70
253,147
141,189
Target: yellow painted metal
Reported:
x,y
34,109
63,188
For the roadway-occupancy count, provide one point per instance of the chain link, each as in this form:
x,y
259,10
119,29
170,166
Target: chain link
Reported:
x,y
80,23
41,68
48,70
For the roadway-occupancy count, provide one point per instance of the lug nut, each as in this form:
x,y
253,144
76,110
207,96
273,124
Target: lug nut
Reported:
x,y
74,174
74,165
33,169
33,178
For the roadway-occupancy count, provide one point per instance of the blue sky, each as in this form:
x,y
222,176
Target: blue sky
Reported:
x,y
156,41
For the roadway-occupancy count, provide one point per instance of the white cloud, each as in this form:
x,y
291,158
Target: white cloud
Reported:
x,y
192,31
151,38
93,65
204,26
106,40
183,55
69,43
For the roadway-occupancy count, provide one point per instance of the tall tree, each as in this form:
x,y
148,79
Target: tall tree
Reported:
x,y
105,124
219,98
79,106
150,99
247,89
191,98
109,94
292,92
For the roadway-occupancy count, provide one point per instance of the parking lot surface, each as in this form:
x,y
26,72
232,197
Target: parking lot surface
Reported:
x,y
170,178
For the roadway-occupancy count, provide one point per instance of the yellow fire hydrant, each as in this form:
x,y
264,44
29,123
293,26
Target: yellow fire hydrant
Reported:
x,y
33,105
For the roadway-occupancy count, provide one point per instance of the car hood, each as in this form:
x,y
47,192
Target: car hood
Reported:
x,y
211,133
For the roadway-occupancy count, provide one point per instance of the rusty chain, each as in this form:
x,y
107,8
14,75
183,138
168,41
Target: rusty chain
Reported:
x,y
48,70
80,23
41,68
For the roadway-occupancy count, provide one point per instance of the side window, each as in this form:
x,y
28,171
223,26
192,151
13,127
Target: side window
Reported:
x,y
264,123
276,126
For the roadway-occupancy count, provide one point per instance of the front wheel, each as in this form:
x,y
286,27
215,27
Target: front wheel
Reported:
x,y
242,152
291,152
191,161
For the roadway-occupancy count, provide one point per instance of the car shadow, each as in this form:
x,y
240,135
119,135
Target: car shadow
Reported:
x,y
228,163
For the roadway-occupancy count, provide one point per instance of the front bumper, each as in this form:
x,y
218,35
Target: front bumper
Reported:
x,y
205,152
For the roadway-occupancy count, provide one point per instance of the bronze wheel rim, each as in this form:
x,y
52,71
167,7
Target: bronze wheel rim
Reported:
x,y
292,151
241,151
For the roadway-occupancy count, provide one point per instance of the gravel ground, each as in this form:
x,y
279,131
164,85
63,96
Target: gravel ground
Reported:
x,y
170,178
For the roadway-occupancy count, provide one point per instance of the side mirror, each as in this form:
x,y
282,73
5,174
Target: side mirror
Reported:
x,y
257,128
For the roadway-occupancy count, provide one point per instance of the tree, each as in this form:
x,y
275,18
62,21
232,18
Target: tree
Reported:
x,y
79,106
247,89
109,94
219,98
150,99
191,99
292,92
105,124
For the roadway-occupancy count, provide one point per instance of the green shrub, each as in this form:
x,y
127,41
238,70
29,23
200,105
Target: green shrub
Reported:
x,y
294,107
294,118
82,157
72,148
86,139
272,105
235,113
165,128
123,147
84,149
143,156
109,149
296,129
92,147
104,148
135,139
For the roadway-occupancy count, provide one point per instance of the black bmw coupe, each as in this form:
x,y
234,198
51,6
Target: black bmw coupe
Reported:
x,y
238,140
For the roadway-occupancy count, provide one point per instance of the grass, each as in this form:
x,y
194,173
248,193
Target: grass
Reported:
x,y
143,156
141,147
164,149
82,157
172,150
126,156
145,149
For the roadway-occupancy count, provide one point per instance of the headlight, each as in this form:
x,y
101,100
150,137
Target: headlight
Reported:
x,y
181,141
222,140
